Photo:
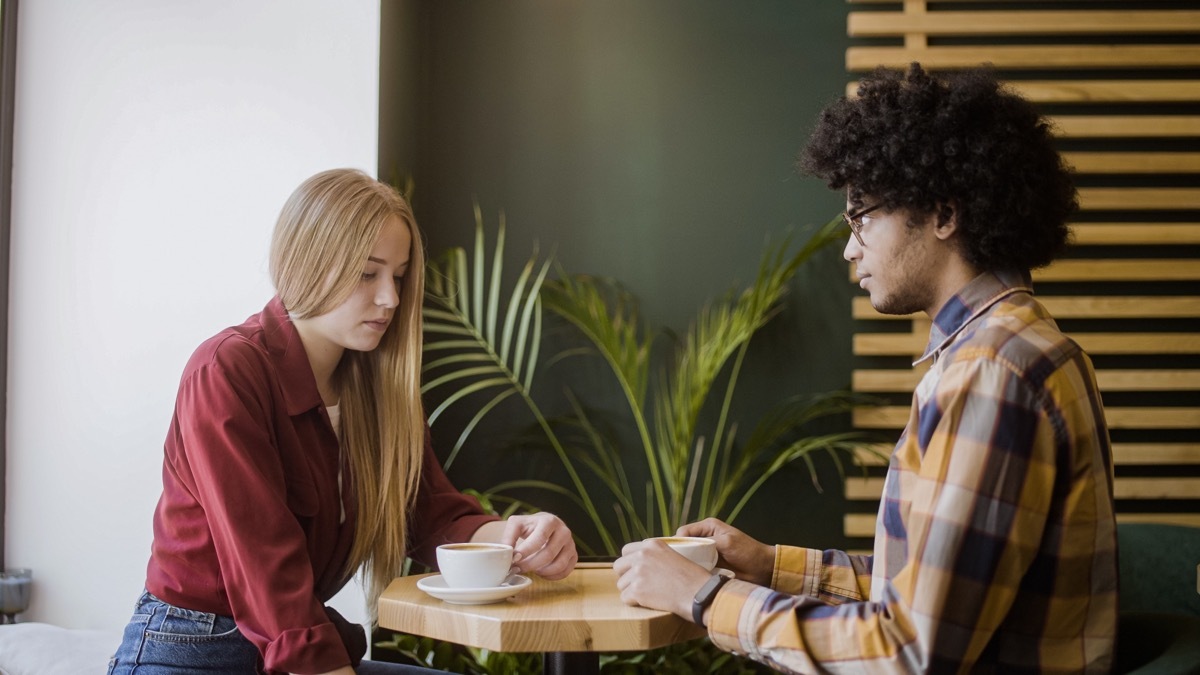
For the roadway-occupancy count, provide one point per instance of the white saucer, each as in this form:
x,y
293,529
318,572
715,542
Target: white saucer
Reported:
x,y
436,586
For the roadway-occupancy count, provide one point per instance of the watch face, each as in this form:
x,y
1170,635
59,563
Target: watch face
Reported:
x,y
709,589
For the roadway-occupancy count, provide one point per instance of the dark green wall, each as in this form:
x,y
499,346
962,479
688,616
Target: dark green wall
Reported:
x,y
652,141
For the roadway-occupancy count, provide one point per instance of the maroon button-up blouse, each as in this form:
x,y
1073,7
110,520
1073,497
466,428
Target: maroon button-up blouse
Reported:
x,y
248,522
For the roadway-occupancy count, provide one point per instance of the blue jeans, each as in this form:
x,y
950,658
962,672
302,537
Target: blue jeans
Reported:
x,y
163,639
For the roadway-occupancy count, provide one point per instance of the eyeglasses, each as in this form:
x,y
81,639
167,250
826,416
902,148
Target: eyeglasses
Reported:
x,y
854,222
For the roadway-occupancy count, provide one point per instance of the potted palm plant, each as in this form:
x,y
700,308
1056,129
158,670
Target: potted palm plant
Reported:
x,y
483,343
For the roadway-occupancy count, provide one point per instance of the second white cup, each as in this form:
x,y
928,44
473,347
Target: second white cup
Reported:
x,y
474,565
700,550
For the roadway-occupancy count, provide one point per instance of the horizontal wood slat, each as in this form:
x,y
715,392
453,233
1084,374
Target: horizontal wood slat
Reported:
x,y
1032,22
1049,57
1097,91
895,417
903,344
1123,488
1133,162
863,524
1155,453
1158,269
1118,234
1124,454
1141,199
1125,126
1070,307
903,381
1108,91
1131,269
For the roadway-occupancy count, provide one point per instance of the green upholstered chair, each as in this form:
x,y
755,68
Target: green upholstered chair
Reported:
x,y
1159,626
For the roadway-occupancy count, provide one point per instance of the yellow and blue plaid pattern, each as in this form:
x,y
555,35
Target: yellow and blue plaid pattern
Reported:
x,y
995,543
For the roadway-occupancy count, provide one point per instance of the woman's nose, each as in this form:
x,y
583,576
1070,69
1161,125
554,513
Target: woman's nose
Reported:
x,y
387,295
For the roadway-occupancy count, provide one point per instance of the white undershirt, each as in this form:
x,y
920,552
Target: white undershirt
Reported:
x,y
335,419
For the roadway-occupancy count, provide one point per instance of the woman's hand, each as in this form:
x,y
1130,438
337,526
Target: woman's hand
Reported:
x,y
541,542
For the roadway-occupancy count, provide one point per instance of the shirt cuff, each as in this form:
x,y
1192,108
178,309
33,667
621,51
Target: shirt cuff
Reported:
x,y
306,650
797,570
725,614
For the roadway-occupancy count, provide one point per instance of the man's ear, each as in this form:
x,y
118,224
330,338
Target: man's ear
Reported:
x,y
946,223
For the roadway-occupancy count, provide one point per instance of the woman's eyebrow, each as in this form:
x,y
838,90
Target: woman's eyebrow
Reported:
x,y
381,261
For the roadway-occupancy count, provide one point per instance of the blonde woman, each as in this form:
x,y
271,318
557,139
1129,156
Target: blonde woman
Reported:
x,y
298,454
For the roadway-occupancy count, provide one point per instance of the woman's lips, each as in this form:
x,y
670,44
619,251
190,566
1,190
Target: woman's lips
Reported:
x,y
379,324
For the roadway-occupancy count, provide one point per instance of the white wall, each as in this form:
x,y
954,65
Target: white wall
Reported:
x,y
155,143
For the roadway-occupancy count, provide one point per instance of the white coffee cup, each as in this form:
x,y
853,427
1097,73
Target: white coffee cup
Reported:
x,y
700,550
474,565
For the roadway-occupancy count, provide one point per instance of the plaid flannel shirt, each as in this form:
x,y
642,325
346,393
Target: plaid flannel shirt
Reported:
x,y
995,543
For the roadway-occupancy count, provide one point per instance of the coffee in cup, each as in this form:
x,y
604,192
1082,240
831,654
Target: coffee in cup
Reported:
x,y
700,550
474,565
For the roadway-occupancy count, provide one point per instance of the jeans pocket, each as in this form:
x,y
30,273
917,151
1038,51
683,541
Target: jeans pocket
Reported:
x,y
176,624
198,642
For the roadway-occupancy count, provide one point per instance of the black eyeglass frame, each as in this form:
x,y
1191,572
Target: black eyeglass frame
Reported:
x,y
854,221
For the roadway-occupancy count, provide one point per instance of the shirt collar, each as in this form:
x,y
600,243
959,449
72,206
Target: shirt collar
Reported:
x,y
969,302
296,377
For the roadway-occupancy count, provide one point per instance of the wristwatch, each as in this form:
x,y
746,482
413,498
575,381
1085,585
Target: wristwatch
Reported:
x,y
704,597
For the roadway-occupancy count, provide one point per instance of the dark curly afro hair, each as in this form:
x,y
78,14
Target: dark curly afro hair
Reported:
x,y
915,142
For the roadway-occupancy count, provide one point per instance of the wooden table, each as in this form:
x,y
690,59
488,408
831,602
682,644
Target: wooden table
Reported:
x,y
568,620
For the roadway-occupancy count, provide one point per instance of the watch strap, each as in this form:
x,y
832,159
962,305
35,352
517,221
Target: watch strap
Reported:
x,y
705,596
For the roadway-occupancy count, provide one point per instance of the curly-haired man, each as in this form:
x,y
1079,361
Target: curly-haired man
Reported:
x,y
995,544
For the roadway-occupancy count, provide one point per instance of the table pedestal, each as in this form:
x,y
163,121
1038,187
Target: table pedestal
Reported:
x,y
570,663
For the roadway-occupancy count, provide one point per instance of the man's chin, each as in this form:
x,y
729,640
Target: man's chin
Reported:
x,y
890,307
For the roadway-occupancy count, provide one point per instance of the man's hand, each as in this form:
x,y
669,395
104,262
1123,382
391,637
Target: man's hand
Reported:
x,y
745,556
652,575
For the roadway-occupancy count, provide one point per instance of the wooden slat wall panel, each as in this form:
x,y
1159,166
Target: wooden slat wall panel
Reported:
x,y
1124,454
1099,91
1126,126
1040,22
1148,269
1133,162
895,417
1056,57
863,524
1126,111
903,344
1123,488
1139,198
1068,307
1134,233
903,381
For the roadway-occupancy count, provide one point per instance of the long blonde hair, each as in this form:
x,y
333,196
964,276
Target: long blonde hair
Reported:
x,y
322,239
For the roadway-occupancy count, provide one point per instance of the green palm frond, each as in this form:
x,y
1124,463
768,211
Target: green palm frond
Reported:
x,y
608,316
485,344
768,449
